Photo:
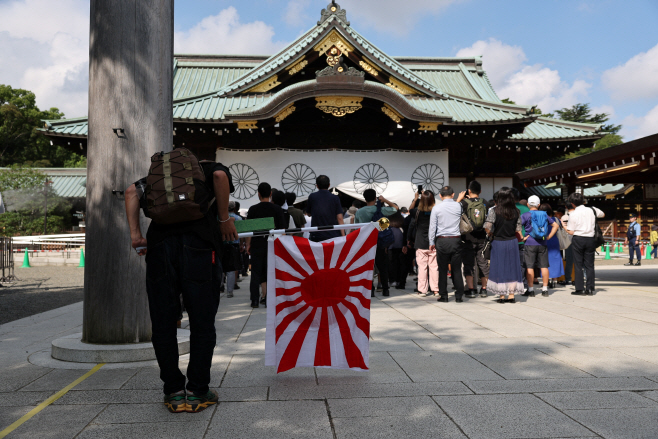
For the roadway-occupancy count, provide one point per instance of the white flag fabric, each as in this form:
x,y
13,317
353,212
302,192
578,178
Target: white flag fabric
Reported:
x,y
318,301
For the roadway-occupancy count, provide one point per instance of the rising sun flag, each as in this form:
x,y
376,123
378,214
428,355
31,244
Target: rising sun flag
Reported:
x,y
318,301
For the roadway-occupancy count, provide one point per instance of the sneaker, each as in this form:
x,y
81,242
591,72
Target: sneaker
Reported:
x,y
472,294
544,293
637,264
263,301
236,287
175,402
197,403
630,264
483,292
254,303
229,294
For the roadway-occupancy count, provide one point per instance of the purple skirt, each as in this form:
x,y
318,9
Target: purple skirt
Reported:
x,y
505,273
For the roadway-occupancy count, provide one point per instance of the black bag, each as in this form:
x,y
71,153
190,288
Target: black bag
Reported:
x,y
486,250
413,228
599,239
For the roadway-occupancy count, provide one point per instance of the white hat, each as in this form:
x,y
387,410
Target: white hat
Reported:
x,y
534,201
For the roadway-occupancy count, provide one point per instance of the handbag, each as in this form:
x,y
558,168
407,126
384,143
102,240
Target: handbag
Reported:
x,y
465,225
563,237
413,227
599,239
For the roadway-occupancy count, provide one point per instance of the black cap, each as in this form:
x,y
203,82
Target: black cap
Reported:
x,y
632,215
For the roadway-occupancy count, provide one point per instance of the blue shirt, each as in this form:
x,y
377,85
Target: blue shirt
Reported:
x,y
444,219
638,229
324,207
526,220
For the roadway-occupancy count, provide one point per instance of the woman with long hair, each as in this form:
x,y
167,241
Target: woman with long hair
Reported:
x,y
555,264
428,268
503,226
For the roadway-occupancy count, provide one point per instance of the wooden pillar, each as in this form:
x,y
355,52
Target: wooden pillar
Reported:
x,y
130,87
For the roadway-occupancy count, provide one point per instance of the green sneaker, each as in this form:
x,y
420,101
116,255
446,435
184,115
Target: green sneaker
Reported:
x,y
197,403
175,402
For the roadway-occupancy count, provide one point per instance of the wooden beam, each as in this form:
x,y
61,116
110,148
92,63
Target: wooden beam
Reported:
x,y
130,77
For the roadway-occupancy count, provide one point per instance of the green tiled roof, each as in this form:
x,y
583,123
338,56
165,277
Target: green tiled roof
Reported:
x,y
68,127
196,78
67,182
464,111
213,107
546,129
594,191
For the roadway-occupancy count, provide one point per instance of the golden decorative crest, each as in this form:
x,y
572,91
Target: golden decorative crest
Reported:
x,y
339,106
383,224
401,87
370,68
390,112
429,126
297,67
265,86
331,40
285,113
247,124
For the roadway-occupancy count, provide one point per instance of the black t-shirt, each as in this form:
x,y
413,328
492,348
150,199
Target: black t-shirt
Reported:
x,y
265,209
324,207
206,228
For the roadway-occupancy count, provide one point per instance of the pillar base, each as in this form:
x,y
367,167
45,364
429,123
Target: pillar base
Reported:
x,y
72,349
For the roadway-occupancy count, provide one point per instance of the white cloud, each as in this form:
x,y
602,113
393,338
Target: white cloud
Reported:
x,y
224,33
44,47
636,127
295,14
637,79
525,84
501,60
393,15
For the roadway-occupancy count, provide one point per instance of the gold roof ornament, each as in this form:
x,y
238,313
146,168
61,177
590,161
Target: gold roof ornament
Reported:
x,y
401,87
390,112
298,66
333,39
285,113
370,67
265,86
429,126
339,106
247,124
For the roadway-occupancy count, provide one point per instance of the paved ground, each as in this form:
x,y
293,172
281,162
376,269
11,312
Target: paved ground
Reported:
x,y
559,367
40,289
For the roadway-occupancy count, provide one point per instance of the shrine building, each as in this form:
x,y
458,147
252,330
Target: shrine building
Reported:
x,y
333,103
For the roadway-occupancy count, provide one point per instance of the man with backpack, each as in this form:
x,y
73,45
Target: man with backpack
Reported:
x,y
475,241
373,211
539,228
187,201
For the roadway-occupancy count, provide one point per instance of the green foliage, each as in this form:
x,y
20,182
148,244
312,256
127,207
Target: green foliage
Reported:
x,y
20,142
18,224
18,177
508,101
583,113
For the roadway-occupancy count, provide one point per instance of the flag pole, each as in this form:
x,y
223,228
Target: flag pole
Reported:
x,y
383,225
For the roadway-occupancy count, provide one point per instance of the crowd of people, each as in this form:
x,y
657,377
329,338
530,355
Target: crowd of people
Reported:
x,y
504,245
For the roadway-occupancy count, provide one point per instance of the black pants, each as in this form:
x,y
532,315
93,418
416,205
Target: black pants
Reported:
x,y
634,247
583,257
449,252
397,266
183,264
381,261
258,272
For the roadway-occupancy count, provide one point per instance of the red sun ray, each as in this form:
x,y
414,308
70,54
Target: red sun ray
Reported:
x,y
352,352
304,246
288,291
365,248
368,266
328,249
323,345
362,323
281,328
365,283
349,241
287,277
364,302
282,253
290,356
281,306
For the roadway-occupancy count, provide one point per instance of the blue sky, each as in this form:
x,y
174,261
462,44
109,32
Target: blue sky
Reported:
x,y
551,53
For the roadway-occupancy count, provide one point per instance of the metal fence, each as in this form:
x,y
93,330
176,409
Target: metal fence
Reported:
x,y
7,259
50,246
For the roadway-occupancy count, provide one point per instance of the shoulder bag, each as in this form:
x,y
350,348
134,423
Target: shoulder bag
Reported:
x,y
465,225
599,239
563,236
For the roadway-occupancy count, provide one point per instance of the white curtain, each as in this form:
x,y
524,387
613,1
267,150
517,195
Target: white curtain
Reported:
x,y
393,174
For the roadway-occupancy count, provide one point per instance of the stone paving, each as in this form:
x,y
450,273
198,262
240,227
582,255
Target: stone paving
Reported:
x,y
559,367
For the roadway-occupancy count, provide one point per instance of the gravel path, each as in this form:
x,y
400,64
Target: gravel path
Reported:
x,y
40,289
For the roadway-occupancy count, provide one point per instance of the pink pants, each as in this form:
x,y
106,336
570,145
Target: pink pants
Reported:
x,y
426,260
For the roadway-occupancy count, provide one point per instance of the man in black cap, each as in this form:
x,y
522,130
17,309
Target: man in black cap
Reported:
x,y
633,233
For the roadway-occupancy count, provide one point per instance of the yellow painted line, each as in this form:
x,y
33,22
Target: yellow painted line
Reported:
x,y
49,401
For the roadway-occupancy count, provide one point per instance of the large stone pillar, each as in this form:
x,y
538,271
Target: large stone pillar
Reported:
x,y
130,87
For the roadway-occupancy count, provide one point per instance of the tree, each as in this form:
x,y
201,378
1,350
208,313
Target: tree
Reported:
x,y
20,141
582,113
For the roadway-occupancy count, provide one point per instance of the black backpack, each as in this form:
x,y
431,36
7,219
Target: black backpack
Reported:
x,y
599,239
385,238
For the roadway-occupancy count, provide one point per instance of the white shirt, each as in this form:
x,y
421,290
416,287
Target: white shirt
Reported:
x,y
582,221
